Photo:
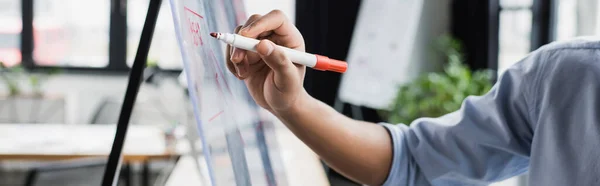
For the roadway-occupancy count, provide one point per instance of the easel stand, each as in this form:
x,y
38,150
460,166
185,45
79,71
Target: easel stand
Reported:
x,y
115,157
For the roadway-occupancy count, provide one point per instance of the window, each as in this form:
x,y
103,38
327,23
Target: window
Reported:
x,y
10,30
577,18
71,33
568,19
101,35
515,32
164,49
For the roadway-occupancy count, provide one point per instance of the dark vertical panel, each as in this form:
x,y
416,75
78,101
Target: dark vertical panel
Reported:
x,y
493,33
118,35
327,27
27,33
543,24
311,20
471,25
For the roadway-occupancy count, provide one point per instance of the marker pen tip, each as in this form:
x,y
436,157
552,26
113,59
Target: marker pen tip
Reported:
x,y
214,34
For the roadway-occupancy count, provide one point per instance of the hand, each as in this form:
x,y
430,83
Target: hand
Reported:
x,y
272,79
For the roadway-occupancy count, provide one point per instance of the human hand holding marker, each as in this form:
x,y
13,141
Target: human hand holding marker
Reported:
x,y
272,79
251,66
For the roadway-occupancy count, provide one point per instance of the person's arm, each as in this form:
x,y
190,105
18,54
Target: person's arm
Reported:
x,y
487,140
359,150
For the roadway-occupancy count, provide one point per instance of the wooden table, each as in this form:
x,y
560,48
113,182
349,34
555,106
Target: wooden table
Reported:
x,y
53,142
61,142
143,143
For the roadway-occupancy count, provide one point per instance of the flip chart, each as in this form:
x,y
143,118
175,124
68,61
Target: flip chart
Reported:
x,y
380,52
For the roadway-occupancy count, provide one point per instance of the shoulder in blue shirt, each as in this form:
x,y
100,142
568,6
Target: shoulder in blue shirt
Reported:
x,y
542,116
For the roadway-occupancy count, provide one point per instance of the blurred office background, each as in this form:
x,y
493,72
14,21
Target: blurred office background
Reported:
x,y
92,44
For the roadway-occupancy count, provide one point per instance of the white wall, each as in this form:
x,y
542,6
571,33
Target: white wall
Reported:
x,y
263,7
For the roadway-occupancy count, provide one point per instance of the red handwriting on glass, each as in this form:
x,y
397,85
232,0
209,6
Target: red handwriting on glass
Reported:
x,y
194,26
195,32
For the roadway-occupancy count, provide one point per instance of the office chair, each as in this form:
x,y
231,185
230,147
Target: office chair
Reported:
x,y
107,112
67,173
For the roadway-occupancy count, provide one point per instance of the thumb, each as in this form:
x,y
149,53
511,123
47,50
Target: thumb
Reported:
x,y
273,56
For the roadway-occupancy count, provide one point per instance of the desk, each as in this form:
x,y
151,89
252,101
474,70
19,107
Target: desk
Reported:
x,y
62,142
51,142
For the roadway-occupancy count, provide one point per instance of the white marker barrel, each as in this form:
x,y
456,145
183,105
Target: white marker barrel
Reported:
x,y
310,60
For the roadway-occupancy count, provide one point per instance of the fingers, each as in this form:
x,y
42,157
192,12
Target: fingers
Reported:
x,y
274,21
262,27
230,64
245,67
250,69
238,55
241,58
274,57
251,19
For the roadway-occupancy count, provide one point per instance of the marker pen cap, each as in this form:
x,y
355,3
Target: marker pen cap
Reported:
x,y
328,64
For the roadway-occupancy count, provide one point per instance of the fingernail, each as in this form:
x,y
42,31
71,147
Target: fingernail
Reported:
x,y
245,30
270,48
241,70
235,57
238,55
232,54
237,70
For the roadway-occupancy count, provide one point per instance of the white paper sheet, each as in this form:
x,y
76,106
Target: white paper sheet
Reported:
x,y
380,52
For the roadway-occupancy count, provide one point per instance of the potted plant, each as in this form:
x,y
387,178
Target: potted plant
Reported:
x,y
9,79
29,104
437,93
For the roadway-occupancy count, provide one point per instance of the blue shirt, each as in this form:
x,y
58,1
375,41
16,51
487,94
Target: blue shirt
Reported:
x,y
541,117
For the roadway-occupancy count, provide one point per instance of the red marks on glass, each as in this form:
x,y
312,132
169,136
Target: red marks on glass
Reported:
x,y
215,116
221,92
191,11
218,84
194,26
218,68
195,32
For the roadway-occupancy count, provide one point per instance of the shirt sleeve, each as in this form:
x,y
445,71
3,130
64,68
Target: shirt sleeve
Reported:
x,y
487,140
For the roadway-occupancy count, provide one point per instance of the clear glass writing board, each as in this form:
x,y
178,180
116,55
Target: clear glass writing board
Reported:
x,y
237,142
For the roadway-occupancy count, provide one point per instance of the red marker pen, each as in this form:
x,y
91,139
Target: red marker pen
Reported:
x,y
310,60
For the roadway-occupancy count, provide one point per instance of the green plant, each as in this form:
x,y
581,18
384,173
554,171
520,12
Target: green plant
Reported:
x,y
438,93
152,63
37,80
11,76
